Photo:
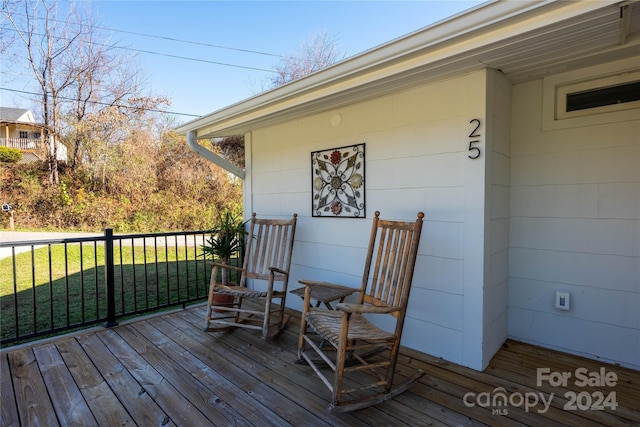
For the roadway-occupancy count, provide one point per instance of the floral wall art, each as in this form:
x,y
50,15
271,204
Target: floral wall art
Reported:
x,y
338,182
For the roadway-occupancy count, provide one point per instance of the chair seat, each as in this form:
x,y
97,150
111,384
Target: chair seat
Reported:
x,y
326,324
244,292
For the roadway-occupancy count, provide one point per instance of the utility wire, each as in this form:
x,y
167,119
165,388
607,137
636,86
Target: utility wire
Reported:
x,y
191,59
193,42
103,103
186,58
257,52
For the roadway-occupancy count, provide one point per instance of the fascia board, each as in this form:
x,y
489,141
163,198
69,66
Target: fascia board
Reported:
x,y
467,32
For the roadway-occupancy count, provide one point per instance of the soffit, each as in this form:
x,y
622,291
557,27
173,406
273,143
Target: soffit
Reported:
x,y
568,45
601,34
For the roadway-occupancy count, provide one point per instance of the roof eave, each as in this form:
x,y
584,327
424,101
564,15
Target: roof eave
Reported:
x,y
448,41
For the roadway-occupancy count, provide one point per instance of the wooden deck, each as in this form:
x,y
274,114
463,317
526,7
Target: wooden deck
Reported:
x,y
165,370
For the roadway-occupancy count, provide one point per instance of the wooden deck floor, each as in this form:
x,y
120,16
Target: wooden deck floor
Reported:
x,y
166,371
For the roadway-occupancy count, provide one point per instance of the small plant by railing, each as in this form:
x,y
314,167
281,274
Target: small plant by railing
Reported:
x,y
55,285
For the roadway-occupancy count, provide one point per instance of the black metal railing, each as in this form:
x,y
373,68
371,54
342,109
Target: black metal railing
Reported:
x,y
56,285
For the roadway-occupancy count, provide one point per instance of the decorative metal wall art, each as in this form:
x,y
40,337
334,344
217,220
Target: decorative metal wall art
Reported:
x,y
338,182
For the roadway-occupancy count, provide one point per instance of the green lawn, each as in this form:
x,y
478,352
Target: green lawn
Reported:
x,y
50,293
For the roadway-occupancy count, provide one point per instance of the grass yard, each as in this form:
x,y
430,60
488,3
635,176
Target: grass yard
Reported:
x,y
64,285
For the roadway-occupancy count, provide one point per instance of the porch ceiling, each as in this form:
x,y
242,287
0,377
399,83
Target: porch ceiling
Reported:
x,y
524,40
568,44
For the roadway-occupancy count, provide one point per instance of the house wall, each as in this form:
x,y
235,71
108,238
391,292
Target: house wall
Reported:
x,y
497,208
13,130
417,148
34,142
557,209
575,226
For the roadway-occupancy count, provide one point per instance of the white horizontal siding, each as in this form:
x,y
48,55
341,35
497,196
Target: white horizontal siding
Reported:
x,y
575,226
416,155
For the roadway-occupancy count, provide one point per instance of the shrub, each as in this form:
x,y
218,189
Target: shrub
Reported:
x,y
187,199
10,155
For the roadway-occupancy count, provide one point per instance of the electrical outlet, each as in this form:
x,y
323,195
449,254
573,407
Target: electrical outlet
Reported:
x,y
562,300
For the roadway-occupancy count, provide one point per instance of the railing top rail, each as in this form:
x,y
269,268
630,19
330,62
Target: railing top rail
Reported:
x,y
50,241
163,234
99,238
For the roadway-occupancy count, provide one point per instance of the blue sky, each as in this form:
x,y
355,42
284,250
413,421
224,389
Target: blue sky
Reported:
x,y
276,27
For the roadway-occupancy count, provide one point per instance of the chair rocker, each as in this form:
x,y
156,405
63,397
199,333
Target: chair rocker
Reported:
x,y
342,346
267,258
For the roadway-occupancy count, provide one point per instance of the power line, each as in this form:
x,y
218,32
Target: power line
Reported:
x,y
186,58
190,59
257,52
193,42
103,103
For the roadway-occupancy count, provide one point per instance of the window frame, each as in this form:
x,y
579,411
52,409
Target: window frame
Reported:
x,y
563,91
555,89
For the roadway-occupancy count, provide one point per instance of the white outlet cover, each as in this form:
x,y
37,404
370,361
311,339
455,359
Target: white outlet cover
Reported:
x,y
563,300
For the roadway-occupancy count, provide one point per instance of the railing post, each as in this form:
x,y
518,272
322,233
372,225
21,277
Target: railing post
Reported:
x,y
110,278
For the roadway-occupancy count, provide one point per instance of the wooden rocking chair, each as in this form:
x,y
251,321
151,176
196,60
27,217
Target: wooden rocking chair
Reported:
x,y
267,257
347,343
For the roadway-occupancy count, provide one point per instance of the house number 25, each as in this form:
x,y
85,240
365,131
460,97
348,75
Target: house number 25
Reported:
x,y
474,151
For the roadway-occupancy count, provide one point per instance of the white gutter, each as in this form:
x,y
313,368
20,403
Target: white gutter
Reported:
x,y
192,142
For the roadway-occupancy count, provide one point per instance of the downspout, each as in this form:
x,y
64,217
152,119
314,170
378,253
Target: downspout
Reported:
x,y
192,142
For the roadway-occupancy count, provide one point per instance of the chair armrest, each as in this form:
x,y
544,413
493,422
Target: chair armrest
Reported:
x,y
284,279
364,308
222,265
278,270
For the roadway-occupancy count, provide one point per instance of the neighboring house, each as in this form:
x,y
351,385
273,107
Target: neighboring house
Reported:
x,y
20,130
515,127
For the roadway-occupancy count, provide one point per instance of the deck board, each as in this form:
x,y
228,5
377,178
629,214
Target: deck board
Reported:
x,y
166,370
9,412
104,404
68,402
29,388
229,397
142,408
280,360
298,404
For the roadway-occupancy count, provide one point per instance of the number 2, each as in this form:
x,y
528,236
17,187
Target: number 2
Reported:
x,y
474,134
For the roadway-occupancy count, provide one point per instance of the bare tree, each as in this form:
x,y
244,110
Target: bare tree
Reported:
x,y
110,83
314,54
89,94
7,38
116,125
48,49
